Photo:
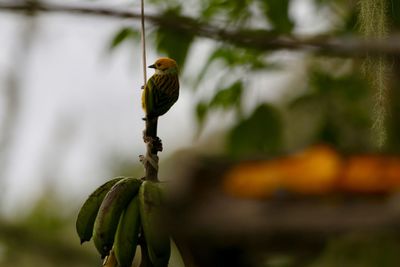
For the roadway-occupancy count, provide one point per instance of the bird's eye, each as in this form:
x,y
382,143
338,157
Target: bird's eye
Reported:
x,y
158,64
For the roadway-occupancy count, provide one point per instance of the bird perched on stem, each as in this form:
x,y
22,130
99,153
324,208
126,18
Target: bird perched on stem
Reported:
x,y
160,93
162,89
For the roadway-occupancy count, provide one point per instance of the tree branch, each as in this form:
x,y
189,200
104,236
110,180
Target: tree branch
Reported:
x,y
258,39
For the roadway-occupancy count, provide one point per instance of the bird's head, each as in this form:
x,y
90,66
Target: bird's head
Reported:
x,y
165,65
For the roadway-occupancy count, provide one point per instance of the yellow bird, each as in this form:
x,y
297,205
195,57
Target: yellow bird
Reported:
x,y
162,89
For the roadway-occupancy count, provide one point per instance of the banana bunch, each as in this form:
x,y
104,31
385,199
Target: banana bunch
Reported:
x,y
117,213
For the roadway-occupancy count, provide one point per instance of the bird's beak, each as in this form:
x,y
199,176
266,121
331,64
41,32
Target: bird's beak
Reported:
x,y
152,66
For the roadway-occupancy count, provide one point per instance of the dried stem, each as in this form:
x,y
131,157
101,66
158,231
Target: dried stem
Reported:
x,y
153,146
150,161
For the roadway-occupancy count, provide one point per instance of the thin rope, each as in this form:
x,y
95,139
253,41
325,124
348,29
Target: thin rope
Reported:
x,y
143,36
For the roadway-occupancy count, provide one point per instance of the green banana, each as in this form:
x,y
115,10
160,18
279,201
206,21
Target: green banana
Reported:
x,y
156,236
114,203
126,238
88,212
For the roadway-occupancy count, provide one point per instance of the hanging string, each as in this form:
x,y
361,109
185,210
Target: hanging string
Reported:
x,y
143,37
150,161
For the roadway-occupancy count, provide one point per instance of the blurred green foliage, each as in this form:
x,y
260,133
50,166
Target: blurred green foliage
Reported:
x,y
174,43
226,98
122,35
44,237
342,102
277,11
357,249
260,134
334,87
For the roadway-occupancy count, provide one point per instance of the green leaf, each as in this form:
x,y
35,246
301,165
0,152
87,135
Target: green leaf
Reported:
x,y
235,10
172,41
122,35
277,12
201,112
233,57
260,134
228,97
225,54
236,56
345,102
350,87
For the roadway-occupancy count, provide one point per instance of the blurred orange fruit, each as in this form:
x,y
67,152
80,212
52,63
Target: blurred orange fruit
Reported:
x,y
370,174
315,171
312,171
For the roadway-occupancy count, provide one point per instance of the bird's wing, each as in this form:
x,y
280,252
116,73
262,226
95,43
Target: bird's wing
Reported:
x,y
162,93
148,95
167,94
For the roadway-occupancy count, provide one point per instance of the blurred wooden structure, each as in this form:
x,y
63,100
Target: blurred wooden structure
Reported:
x,y
223,226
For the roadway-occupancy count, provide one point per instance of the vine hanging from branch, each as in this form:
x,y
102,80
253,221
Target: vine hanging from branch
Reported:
x,y
374,24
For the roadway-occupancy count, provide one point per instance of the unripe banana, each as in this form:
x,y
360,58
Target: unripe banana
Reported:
x,y
155,234
127,235
115,201
88,212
